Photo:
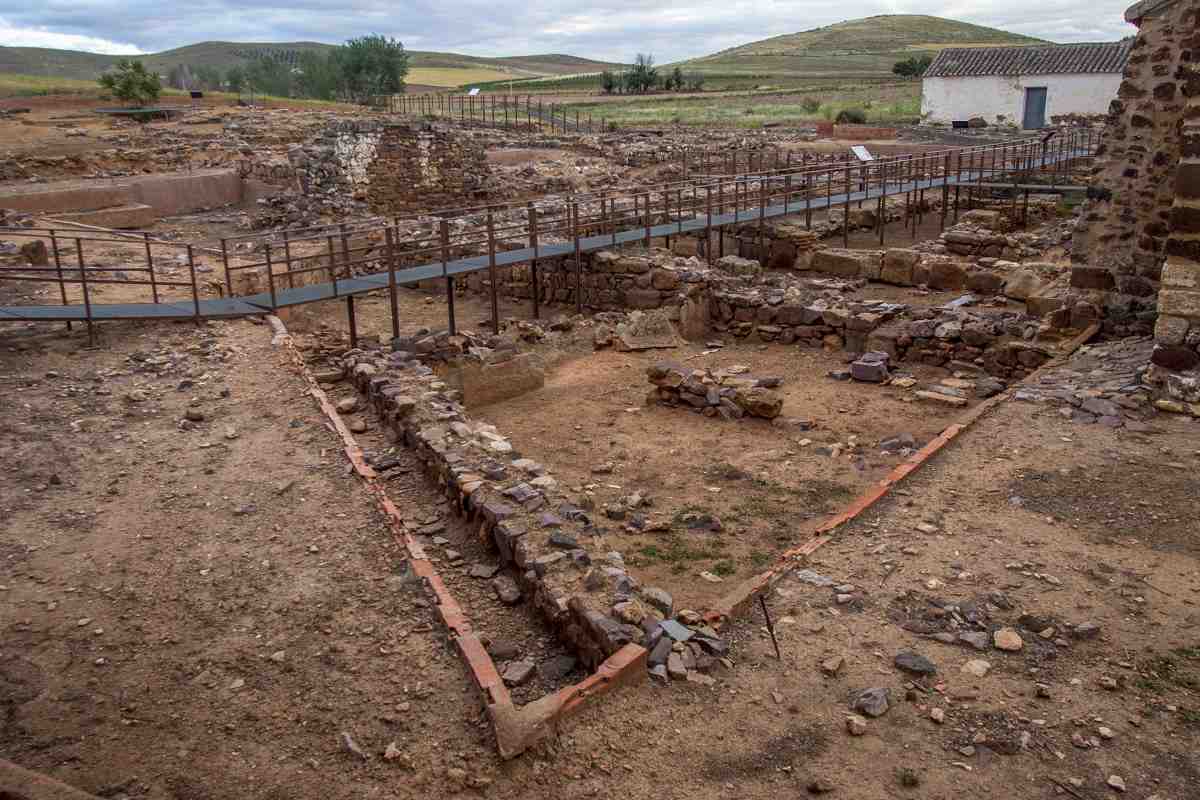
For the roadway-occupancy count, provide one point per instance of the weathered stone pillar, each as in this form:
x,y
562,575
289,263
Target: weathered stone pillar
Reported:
x,y
1177,332
1120,242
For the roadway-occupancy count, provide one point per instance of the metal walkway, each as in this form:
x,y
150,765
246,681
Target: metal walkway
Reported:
x,y
261,303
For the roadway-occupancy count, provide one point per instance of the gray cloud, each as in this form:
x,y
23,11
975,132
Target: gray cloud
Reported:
x,y
604,29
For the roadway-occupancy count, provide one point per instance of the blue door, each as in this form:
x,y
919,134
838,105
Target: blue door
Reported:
x,y
1035,108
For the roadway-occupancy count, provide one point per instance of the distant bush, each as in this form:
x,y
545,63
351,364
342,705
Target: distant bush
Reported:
x,y
811,105
851,116
913,67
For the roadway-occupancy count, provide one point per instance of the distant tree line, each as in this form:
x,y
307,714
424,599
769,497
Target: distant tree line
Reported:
x,y
643,77
353,72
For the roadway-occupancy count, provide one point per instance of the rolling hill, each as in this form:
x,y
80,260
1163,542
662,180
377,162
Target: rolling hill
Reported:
x,y
437,69
867,46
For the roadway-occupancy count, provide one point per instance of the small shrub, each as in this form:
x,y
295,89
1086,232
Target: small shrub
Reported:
x,y
851,116
724,569
811,105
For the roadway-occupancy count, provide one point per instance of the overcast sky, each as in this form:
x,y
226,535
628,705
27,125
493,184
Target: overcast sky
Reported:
x,y
602,29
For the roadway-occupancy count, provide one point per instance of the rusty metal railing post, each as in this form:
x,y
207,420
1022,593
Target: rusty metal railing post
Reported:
x,y
534,281
393,301
287,259
846,212
150,267
762,215
87,300
225,260
351,321
195,286
491,234
957,185
271,275
62,284
578,258
708,248
882,204
332,264
444,231
648,222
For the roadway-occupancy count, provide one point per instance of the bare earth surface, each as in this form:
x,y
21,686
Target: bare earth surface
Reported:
x,y
190,615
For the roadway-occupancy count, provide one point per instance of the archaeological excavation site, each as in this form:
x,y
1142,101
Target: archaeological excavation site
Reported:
x,y
468,444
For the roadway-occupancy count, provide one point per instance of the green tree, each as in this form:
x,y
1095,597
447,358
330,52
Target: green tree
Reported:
x,y
371,65
912,67
208,78
642,76
269,75
695,82
319,75
677,79
235,79
608,82
132,83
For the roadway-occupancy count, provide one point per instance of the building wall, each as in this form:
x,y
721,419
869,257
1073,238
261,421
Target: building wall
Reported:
x,y
1119,243
1177,332
1001,99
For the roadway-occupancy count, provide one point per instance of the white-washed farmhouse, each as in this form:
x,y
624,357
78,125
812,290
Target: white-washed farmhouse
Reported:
x,y
1026,86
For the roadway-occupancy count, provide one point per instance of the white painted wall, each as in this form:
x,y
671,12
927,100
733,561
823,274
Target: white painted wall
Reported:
x,y
996,96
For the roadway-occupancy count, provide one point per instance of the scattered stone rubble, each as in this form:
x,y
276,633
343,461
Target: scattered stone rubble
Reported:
x,y
729,393
1114,384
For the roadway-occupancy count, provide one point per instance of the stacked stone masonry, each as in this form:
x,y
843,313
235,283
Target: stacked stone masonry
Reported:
x,y
1177,331
543,539
1122,237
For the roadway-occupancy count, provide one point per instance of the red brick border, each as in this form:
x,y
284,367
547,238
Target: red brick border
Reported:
x,y
516,728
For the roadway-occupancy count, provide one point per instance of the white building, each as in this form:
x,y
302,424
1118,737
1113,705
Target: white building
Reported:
x,y
1026,86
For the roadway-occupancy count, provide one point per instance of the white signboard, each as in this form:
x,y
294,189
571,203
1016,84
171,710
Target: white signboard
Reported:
x,y
863,153
473,92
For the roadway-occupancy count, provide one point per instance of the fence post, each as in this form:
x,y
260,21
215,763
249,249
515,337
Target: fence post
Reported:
x,y
195,287
846,212
150,267
332,265
445,236
287,260
762,215
578,258
392,300
271,274
225,259
708,224
87,300
533,265
648,222
62,284
491,233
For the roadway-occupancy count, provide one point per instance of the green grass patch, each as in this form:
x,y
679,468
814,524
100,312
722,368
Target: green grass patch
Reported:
x,y
881,104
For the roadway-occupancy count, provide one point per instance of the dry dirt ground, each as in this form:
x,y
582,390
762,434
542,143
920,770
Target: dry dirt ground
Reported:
x,y
191,615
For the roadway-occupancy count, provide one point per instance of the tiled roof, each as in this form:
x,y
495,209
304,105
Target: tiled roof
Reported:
x,y
1059,59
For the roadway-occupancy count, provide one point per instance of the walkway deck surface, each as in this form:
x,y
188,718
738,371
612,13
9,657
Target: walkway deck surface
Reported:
x,y
261,303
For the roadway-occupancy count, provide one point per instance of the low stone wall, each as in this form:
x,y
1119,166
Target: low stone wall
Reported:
x,y
735,298
544,540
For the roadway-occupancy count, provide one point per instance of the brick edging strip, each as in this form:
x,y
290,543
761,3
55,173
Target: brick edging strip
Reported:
x,y
516,728
740,600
